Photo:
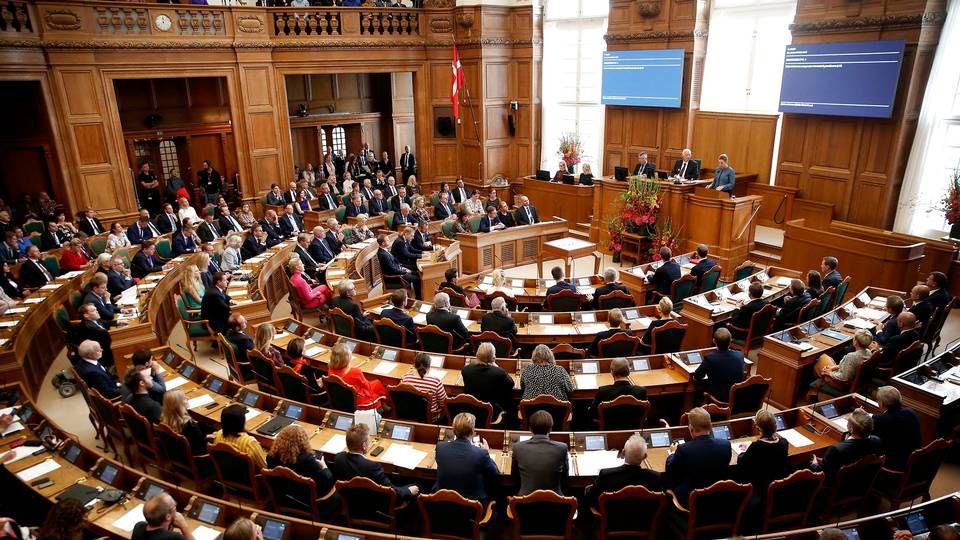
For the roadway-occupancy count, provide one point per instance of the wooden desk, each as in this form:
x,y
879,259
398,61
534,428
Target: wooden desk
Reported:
x,y
573,203
568,249
635,277
937,403
529,291
507,248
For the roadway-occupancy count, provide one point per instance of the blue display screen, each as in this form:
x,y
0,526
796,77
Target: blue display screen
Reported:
x,y
650,78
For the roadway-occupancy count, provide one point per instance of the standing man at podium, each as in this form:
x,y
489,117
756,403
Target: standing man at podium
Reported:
x,y
685,167
724,178
644,167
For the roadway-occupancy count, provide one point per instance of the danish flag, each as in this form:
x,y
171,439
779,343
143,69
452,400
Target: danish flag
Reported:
x,y
456,83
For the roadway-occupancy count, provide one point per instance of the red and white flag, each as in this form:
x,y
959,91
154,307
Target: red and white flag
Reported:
x,y
456,83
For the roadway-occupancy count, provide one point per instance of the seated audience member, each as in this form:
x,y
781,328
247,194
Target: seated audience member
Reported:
x,y
586,175
544,376
92,371
939,296
33,273
401,198
215,307
498,320
231,259
889,328
52,238
353,462
561,282
185,240
611,282
91,328
631,473
290,222
176,416
245,216
491,222
146,261
9,250
664,315
446,320
9,284
161,518
117,239
255,243
662,279
700,462
831,277
396,313
789,314
142,360
897,427
473,205
237,335
920,306
860,442
421,238
74,258
615,320
291,449
302,365
167,221
138,385
346,290
505,215
391,265
143,229
356,206
487,381
310,297
320,247
88,223
370,393
377,205
620,370
538,462
404,251
362,231
561,170
186,212
99,296
814,284
243,529
766,459
209,230
462,225
450,281
427,384
849,364
722,368
271,226
742,317
420,209
231,431
263,343
403,217
64,521
444,209
907,323
704,263
463,466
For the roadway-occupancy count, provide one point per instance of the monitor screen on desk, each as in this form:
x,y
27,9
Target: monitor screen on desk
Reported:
x,y
641,364
343,423
292,326
215,384
400,432
660,439
543,175
694,358
721,432
852,533
916,523
208,513
829,410
108,473
620,173
273,529
187,369
594,442
72,452
781,423
250,398
292,411
630,314
389,355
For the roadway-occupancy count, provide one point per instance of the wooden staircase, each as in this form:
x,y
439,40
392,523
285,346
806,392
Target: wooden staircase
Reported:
x,y
580,230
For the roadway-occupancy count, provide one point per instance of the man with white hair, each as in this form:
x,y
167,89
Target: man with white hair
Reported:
x,y
631,473
444,319
363,327
320,250
498,320
685,167
610,283
898,428
92,371
860,442
377,204
334,235
403,218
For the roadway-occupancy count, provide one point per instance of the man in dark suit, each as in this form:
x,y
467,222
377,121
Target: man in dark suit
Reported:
x,y
460,192
491,222
87,222
668,272
290,195
742,316
356,206
138,386
561,283
889,328
118,277
93,372
353,462
444,319
255,243
185,240
498,320
334,235
51,238
9,250
271,225
398,299
404,251
722,368
215,307
377,204
645,167
921,306
210,180
615,320
526,214
142,360
538,462
346,290
400,199
488,382
505,215
421,238
403,218
92,329
209,230
367,190
236,334
704,265
408,164
700,462
610,284
860,442
686,167
167,221
444,209
227,222
798,298
462,466
310,265
724,177
290,223
391,265
143,229
320,249
897,427
620,369
907,323
327,200
99,296
33,273
938,284
831,277
145,261
631,473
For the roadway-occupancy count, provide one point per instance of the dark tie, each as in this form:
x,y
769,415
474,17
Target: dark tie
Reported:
x,y
46,273
213,231
216,267
529,215
683,169
307,253
326,251
93,226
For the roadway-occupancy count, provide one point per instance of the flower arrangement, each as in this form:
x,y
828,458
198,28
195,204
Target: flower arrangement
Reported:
x,y
635,211
664,237
950,204
570,149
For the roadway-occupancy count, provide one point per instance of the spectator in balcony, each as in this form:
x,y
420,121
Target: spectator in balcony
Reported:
x,y
46,206
186,211
174,184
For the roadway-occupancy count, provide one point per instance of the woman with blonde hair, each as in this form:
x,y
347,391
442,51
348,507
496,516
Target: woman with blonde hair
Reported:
x,y
369,393
192,286
291,449
361,231
420,209
263,343
664,315
310,298
176,417
544,376
848,366
203,264
766,459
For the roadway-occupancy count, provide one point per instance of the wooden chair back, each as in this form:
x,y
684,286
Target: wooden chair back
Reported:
x,y
178,457
290,493
510,301
264,371
748,396
619,344
390,333
141,431
667,338
789,501
564,300
632,512
409,404
682,288
852,481
624,412
435,340
559,410
236,472
566,351
915,480
503,346
368,505
711,278
447,515
841,292
342,395
716,511
343,324
808,311
745,270
542,515
465,403
616,299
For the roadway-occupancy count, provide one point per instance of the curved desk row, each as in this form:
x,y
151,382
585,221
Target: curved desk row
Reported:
x,y
932,388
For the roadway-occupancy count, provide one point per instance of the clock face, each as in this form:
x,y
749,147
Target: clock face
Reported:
x,y
163,23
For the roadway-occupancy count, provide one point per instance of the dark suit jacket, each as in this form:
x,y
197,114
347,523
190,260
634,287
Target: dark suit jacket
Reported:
x,y
274,232
326,204
117,282
346,465
399,221
449,322
523,219
899,431
506,219
889,330
616,478
351,308
31,275
791,308
51,240
702,268
611,392
563,285
143,264
226,226
137,235
697,464
400,317
896,344
923,310
539,463
489,383
741,317
335,244
421,241
389,264
607,288
594,349
832,279
406,254
486,225
846,452
723,369
378,206
309,262
286,228
647,169
664,276
586,179
321,251
96,331
84,225
251,247
692,172
215,308
206,229
242,342
464,468
106,311
443,212
289,197
354,211
98,379
494,321
162,221
146,406
458,195
182,244
939,298
408,164
396,201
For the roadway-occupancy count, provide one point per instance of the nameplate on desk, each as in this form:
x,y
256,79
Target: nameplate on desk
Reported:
x,y
36,300
50,287
542,319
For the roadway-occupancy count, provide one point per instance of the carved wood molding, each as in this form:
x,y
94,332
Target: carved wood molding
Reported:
x,y
63,19
265,44
250,24
652,36
649,9
926,18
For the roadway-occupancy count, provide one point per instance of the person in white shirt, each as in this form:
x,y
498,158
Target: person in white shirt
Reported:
x,y
187,212
117,239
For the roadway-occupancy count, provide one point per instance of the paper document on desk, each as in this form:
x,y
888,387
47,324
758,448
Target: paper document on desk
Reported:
x,y
858,323
586,382
15,310
438,373
38,470
484,287
795,438
841,422
336,444
9,324
129,520
403,455
873,314
383,367
71,275
199,401
739,297
21,452
783,281
175,382
420,318
315,351
250,415
35,300
203,532
12,428
590,463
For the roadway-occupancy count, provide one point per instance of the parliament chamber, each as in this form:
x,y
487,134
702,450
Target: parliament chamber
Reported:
x,y
310,269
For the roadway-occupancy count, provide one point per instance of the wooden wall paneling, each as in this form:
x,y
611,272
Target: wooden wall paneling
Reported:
x,y
263,122
746,138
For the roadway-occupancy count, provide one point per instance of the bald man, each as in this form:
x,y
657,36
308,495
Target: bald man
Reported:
x,y
907,323
631,473
685,167
160,513
526,213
